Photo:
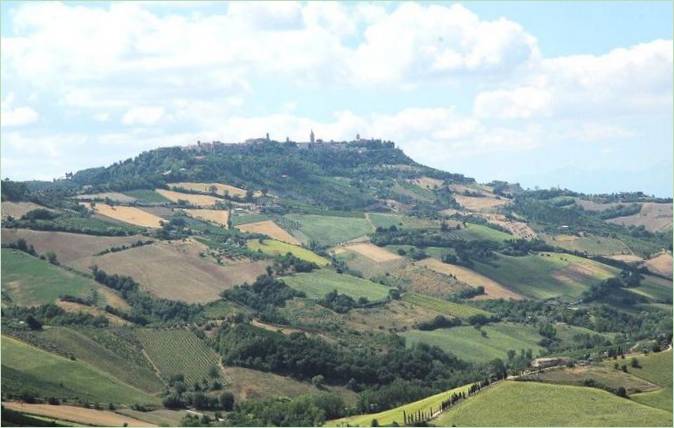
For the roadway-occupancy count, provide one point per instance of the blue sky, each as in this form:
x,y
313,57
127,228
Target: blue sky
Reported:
x,y
575,94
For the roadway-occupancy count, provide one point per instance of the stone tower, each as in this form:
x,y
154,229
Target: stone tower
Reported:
x,y
312,137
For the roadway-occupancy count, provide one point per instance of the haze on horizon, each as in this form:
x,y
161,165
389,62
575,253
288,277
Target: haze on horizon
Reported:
x,y
577,95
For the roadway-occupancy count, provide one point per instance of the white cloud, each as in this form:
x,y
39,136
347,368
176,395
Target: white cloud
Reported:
x,y
143,116
634,80
16,116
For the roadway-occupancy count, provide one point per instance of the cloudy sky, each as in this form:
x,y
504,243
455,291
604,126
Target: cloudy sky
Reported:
x,y
577,95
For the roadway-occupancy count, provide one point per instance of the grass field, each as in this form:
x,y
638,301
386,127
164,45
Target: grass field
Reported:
x,y
177,270
388,417
178,351
442,306
273,247
269,228
243,218
365,265
400,221
537,404
546,275
147,196
592,245
601,374
318,283
327,230
76,415
654,288
84,348
413,191
26,368
30,281
492,289
468,344
656,368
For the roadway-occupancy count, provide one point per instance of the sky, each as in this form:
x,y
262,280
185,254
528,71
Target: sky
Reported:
x,y
570,94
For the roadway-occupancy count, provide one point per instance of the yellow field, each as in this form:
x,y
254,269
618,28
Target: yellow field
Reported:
x,y
198,200
78,415
78,307
269,228
129,215
220,217
372,252
479,204
492,289
661,264
220,189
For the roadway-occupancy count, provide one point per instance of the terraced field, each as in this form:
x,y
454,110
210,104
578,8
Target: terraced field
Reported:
x,y
178,351
546,275
443,306
469,344
27,368
536,404
30,281
326,230
395,415
318,283
273,247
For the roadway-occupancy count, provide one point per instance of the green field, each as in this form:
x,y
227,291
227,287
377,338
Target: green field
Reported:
x,y
656,368
388,417
86,349
479,231
566,334
654,288
146,195
413,191
274,247
537,404
29,369
401,221
220,309
318,283
467,342
443,306
591,244
178,351
325,230
601,374
238,219
546,275
30,281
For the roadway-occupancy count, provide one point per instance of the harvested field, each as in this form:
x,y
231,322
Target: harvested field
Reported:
x,y
473,203
373,252
627,258
428,182
588,205
18,209
220,217
475,188
197,200
269,228
130,215
177,270
113,196
516,228
68,247
660,264
220,189
78,415
492,289
653,216
91,310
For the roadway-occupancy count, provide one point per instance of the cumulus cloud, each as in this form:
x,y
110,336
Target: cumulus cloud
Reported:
x,y
143,116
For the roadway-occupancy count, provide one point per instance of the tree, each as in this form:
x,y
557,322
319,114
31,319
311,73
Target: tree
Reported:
x,y
620,392
51,257
635,363
213,372
226,401
374,423
318,380
33,323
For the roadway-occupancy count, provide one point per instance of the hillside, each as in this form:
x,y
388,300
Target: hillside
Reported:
x,y
282,283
